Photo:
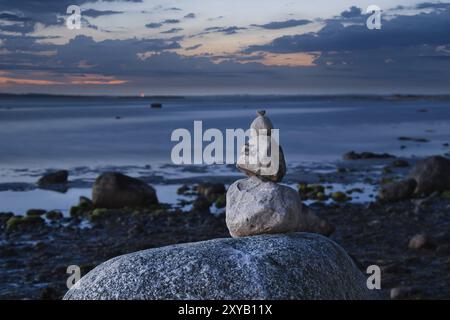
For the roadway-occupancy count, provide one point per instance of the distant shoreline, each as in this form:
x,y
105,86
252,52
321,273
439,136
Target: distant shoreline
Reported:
x,y
384,97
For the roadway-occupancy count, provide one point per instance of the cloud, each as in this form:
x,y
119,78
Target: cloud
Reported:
x,y
401,31
156,25
16,23
353,12
225,30
193,47
190,16
48,6
97,13
173,30
433,5
171,21
153,25
411,51
216,18
13,17
282,24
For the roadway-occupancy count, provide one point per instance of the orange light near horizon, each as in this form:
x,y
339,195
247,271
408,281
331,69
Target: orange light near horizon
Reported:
x,y
95,79
5,81
290,59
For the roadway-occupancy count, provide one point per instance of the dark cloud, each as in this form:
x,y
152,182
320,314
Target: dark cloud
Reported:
x,y
433,5
424,28
13,17
282,24
16,23
173,30
190,16
225,30
47,11
97,13
216,18
47,6
193,47
154,25
171,21
352,12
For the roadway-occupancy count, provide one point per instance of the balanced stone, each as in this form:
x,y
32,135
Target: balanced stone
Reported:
x,y
262,156
258,207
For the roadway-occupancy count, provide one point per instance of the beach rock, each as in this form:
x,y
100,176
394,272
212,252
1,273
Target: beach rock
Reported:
x,y
35,212
54,215
400,163
211,190
85,202
114,190
292,266
257,207
57,177
402,292
340,196
221,201
431,174
201,204
419,241
19,222
397,191
352,155
256,157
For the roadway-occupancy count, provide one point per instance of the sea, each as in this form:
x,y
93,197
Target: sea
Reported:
x,y
90,135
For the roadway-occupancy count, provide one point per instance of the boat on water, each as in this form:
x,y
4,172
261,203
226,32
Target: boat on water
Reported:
x,y
156,105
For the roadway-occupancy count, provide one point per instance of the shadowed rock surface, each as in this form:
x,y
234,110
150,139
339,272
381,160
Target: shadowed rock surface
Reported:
x,y
397,190
352,155
431,174
57,177
114,190
290,266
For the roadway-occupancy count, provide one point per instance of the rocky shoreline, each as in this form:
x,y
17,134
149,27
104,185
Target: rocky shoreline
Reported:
x,y
409,239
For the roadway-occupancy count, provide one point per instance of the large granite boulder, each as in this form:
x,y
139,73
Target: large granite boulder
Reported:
x,y
114,190
257,207
289,266
431,174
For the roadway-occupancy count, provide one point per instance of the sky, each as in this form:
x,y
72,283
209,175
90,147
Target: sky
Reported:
x,y
205,47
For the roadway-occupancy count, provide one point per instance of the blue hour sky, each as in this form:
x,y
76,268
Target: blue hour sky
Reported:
x,y
224,47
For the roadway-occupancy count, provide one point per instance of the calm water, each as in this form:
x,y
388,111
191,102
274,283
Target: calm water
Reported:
x,y
85,134
69,132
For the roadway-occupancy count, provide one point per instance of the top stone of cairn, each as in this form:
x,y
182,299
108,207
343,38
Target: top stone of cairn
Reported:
x,y
262,156
261,122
